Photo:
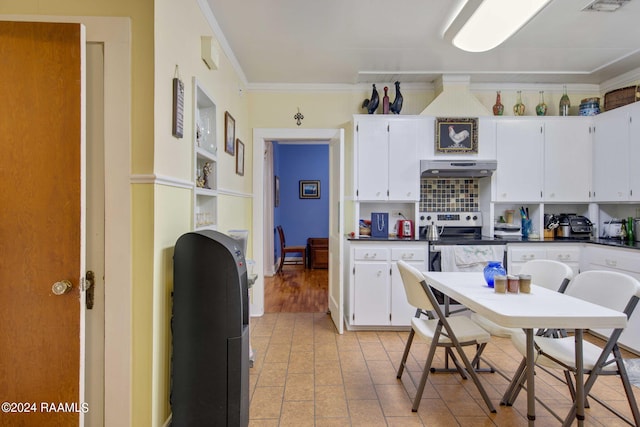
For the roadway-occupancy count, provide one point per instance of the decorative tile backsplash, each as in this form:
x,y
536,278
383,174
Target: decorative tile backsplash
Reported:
x,y
448,194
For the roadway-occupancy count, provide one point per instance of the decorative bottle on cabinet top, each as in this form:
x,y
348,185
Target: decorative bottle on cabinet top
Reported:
x,y
493,268
541,108
498,108
518,109
385,101
565,103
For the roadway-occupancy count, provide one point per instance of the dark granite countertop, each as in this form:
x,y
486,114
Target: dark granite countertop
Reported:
x,y
497,241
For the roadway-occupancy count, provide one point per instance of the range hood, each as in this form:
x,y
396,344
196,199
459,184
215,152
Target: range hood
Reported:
x,y
457,168
454,99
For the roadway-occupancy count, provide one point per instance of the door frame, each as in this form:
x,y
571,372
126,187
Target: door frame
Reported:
x,y
260,136
115,34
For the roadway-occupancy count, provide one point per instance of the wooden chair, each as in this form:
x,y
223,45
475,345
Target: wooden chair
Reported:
x,y
284,250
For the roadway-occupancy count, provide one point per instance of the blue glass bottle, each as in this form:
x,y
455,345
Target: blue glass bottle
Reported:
x,y
493,268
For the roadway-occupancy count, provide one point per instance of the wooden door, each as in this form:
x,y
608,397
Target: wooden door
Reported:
x,y
41,222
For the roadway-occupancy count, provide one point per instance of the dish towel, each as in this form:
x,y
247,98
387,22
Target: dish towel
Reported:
x,y
469,257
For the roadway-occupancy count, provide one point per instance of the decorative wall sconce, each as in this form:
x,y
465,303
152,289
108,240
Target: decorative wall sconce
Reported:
x,y
299,117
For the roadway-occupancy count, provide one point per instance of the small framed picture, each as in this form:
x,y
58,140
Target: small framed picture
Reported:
x,y
456,135
239,157
229,133
309,189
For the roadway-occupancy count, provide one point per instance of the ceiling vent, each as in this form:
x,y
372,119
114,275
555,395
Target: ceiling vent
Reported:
x,y
605,5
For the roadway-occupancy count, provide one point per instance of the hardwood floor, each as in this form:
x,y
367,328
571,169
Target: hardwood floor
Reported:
x,y
296,290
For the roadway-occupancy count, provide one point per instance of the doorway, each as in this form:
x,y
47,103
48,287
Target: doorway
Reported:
x,y
298,288
263,222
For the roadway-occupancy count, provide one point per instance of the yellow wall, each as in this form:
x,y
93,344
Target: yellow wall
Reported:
x,y
179,26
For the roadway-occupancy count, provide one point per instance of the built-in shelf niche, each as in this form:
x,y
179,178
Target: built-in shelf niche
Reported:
x,y
205,149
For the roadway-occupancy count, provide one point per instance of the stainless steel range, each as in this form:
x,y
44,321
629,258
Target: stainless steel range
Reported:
x,y
454,228
452,225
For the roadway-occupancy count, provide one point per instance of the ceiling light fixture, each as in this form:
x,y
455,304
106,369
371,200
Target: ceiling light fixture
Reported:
x,y
482,25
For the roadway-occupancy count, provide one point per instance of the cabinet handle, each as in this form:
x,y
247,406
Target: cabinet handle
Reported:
x,y
379,273
610,262
407,256
373,255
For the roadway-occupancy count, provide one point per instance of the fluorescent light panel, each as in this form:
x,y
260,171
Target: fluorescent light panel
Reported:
x,y
491,23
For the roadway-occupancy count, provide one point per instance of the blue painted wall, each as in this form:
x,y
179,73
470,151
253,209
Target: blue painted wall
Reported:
x,y
301,218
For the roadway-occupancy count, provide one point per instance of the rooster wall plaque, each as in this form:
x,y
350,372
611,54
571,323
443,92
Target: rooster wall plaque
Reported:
x,y
456,135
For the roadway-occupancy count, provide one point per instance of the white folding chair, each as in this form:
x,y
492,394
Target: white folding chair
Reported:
x,y
554,275
440,331
609,289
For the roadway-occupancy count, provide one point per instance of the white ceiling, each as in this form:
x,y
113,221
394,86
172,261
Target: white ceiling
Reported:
x,y
378,41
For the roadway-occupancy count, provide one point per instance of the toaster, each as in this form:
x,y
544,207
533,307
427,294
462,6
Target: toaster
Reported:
x,y
572,226
405,228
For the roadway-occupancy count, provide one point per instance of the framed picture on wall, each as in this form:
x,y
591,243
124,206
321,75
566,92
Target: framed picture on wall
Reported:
x,y
456,135
239,157
229,133
309,189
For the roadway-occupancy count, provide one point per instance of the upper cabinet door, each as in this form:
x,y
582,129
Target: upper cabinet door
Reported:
x,y
372,159
567,159
634,152
404,163
519,146
611,151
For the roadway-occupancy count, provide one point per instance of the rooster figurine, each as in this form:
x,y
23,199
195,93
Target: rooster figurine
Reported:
x,y
372,104
396,106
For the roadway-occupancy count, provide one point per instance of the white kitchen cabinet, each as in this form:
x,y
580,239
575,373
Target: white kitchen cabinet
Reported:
x,y
401,310
567,159
519,152
387,166
611,151
205,160
370,285
519,254
634,152
375,295
595,257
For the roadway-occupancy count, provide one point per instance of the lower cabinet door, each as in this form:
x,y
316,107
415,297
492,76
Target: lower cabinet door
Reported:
x,y
371,294
401,310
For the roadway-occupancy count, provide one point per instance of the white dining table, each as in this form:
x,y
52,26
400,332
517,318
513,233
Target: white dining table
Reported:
x,y
542,308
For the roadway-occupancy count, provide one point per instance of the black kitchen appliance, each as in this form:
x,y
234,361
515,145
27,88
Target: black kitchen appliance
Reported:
x,y
573,226
210,326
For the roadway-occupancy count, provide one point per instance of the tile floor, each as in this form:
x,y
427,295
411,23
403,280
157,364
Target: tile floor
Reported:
x,y
307,375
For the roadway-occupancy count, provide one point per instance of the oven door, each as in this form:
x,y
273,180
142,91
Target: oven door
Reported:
x,y
435,262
